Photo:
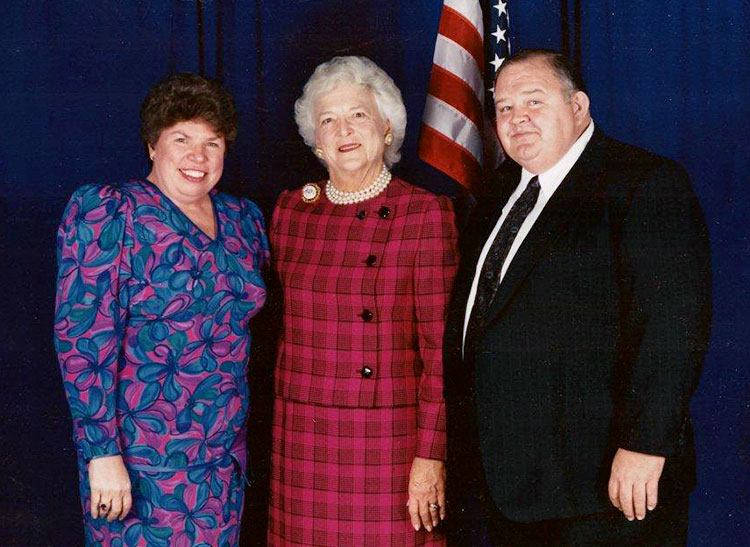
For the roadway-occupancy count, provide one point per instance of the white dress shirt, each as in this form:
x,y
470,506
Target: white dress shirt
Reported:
x,y
548,182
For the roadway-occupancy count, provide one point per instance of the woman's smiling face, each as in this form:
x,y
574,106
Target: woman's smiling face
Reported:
x,y
188,159
349,129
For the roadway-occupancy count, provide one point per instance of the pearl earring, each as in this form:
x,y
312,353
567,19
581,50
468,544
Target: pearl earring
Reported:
x,y
319,153
388,139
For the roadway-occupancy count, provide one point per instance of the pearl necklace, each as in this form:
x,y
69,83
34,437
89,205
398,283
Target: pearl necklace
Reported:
x,y
339,197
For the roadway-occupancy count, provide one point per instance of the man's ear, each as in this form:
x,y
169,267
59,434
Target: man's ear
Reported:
x,y
580,102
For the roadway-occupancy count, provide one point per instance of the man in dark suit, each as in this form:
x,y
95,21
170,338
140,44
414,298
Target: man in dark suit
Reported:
x,y
579,321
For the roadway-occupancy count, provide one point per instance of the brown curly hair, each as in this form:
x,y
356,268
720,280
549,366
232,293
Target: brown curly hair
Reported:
x,y
184,97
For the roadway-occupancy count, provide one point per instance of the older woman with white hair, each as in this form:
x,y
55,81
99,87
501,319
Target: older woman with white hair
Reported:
x,y
366,262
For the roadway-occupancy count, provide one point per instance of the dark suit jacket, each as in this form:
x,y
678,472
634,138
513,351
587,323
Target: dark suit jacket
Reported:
x,y
593,342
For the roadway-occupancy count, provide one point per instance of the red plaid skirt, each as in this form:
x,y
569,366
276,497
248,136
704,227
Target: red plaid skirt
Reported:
x,y
339,476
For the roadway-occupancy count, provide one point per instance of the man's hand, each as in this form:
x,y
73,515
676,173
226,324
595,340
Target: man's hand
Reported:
x,y
634,482
110,488
426,493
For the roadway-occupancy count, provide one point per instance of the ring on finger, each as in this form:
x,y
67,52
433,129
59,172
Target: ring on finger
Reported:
x,y
104,508
434,506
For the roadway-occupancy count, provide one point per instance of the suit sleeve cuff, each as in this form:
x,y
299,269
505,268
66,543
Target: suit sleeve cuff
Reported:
x,y
431,434
654,436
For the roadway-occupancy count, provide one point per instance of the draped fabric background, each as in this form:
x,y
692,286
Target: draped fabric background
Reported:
x,y
670,76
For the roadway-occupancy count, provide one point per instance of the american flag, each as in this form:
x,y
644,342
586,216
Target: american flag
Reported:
x,y
456,135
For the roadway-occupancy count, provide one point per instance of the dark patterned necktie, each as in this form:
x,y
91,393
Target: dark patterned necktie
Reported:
x,y
489,279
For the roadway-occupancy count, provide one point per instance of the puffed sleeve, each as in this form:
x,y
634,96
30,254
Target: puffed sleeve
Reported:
x,y
93,256
434,270
254,231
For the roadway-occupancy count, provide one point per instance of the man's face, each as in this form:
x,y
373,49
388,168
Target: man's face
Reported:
x,y
536,123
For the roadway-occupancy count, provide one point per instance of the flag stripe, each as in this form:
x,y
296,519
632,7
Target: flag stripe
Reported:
x,y
454,161
453,124
470,10
457,93
453,58
457,28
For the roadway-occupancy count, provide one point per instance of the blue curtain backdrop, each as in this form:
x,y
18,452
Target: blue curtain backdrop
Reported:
x,y
671,76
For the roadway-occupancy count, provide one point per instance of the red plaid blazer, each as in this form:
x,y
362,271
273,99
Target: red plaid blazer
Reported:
x,y
366,287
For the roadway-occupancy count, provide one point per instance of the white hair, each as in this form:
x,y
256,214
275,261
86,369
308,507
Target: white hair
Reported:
x,y
360,71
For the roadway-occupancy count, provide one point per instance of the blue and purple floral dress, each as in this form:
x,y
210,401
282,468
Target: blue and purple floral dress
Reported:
x,y
151,332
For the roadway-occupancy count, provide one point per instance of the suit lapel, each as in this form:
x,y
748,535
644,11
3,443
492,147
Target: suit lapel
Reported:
x,y
561,210
472,240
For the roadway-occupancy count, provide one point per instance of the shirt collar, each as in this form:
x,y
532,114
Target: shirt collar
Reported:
x,y
552,177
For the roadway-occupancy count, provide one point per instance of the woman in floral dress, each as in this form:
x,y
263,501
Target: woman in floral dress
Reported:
x,y
156,283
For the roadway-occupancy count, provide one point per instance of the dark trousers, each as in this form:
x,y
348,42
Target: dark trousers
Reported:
x,y
665,526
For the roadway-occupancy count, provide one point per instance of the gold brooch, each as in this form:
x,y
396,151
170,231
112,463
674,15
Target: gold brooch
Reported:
x,y
310,192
